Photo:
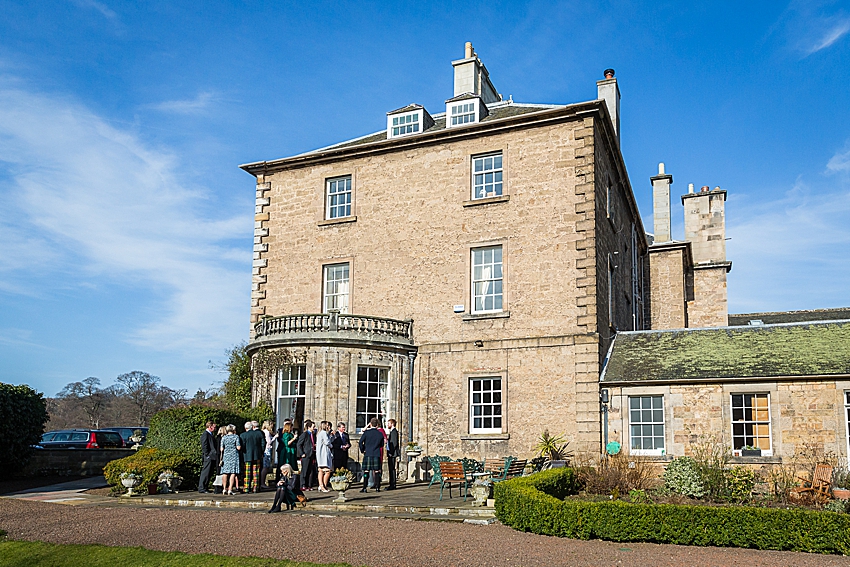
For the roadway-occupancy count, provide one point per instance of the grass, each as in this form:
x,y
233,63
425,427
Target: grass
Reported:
x,y
39,554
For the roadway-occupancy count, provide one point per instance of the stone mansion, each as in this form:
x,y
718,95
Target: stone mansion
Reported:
x,y
481,273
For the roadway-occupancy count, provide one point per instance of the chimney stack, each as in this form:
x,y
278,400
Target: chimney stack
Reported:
x,y
661,205
471,76
609,92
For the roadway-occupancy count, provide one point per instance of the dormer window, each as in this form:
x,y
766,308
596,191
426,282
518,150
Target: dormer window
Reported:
x,y
412,119
465,109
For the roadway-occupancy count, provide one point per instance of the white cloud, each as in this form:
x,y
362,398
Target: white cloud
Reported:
x,y
789,252
193,106
836,30
102,8
840,161
98,202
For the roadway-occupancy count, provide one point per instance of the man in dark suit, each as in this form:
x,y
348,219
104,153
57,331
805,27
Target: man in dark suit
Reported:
x,y
253,444
340,445
371,443
209,450
306,451
393,453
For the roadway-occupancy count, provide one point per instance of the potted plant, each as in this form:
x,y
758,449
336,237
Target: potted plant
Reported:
x,y
341,481
169,481
413,449
841,484
553,447
130,480
750,451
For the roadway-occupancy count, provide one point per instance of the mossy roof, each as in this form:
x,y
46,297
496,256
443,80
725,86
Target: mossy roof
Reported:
x,y
791,316
728,353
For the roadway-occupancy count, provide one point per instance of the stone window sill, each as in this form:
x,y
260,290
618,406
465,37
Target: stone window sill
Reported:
x,y
756,460
481,316
486,437
342,220
487,201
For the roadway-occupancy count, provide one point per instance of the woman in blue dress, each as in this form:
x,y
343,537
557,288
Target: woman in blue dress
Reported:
x,y
230,448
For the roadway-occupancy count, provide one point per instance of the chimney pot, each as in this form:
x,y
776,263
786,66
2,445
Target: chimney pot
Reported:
x,y
717,188
661,168
468,51
690,187
704,188
609,73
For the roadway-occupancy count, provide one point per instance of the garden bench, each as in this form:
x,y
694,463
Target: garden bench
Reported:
x,y
515,469
452,472
435,461
497,467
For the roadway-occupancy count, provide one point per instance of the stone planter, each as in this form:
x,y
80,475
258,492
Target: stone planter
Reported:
x,y
340,486
169,485
841,493
481,491
130,484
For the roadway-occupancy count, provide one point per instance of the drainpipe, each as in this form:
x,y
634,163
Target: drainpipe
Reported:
x,y
411,357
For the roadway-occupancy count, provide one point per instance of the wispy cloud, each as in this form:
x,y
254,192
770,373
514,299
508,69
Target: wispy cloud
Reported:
x,y
100,7
99,202
840,162
193,106
795,241
839,27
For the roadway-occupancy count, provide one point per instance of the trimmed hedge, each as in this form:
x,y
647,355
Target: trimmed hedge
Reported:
x,y
535,504
24,414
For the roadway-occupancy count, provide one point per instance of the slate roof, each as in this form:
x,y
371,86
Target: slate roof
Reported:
x,y
497,111
791,316
730,353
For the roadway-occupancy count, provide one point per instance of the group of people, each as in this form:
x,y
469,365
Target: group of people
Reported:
x,y
305,461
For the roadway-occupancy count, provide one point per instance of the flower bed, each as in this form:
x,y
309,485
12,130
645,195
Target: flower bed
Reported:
x,y
536,504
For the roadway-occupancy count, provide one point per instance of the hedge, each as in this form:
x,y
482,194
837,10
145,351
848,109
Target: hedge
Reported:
x,y
535,504
24,414
174,442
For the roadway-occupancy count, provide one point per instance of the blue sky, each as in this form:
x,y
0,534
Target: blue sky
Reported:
x,y
126,226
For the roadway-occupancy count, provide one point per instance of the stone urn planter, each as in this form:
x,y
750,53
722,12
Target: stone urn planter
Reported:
x,y
169,482
341,481
482,489
130,483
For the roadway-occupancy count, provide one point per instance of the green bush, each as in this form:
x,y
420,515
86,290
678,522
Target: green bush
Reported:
x,y
24,414
682,476
149,462
740,482
535,504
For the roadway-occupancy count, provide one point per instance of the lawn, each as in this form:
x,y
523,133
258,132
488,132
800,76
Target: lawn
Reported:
x,y
38,554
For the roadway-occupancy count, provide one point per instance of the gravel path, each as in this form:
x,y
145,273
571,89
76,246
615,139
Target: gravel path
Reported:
x,y
358,541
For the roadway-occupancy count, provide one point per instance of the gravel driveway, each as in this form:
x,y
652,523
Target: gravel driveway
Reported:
x,y
358,541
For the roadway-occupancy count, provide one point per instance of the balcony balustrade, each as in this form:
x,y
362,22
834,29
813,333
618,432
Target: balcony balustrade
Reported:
x,y
332,327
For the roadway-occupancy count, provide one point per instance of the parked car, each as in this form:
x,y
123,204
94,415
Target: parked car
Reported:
x,y
127,432
81,439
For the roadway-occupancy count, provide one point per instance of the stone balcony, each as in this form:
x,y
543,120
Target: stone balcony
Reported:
x,y
333,329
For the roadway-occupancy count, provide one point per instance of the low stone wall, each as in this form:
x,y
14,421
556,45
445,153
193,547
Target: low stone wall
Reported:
x,y
71,462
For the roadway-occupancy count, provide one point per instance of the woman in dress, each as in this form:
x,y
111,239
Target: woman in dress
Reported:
x,y
324,456
271,437
286,447
230,447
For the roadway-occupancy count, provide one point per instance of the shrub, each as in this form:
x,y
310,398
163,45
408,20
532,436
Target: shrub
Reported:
x,y
149,462
24,414
535,504
682,476
740,482
616,474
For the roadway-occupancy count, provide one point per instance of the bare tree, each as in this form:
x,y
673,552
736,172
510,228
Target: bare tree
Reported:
x,y
146,395
88,396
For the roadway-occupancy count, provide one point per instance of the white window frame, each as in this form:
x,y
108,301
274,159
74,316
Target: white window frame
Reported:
x,y
652,423
287,376
486,276
466,104
405,123
338,203
756,422
379,376
336,290
488,177
479,399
